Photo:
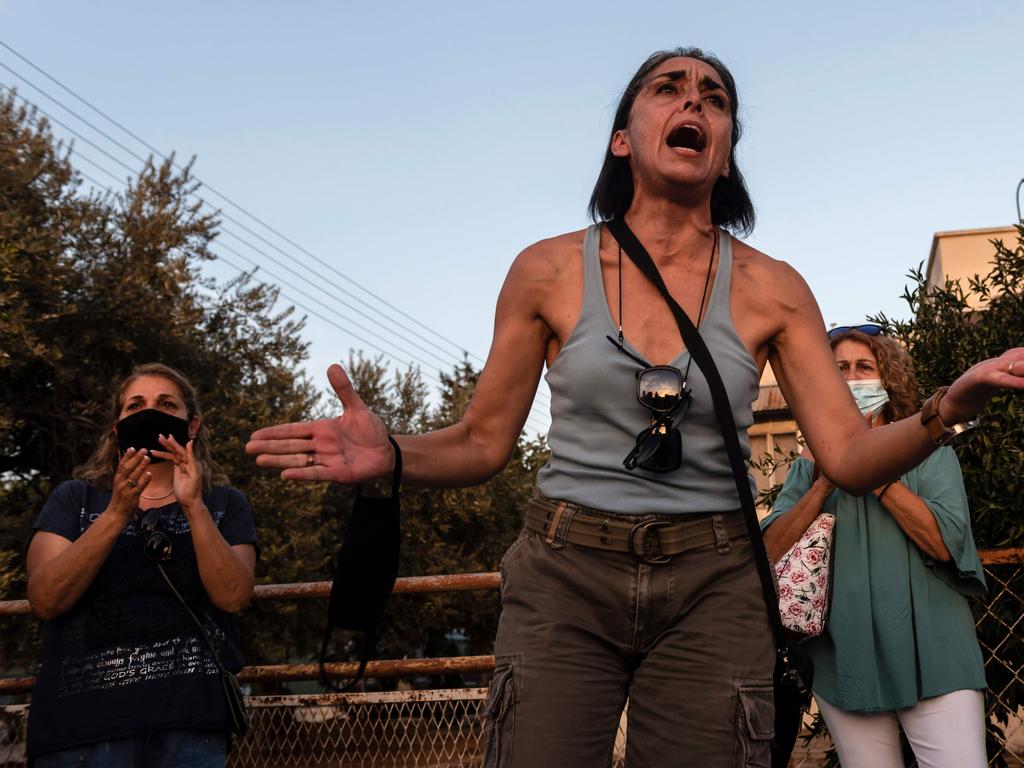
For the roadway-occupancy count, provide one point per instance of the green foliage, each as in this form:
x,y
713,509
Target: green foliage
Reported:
x,y
768,464
953,328
91,285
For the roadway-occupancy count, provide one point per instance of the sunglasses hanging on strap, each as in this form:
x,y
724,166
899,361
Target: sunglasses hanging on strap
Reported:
x,y
793,674
366,571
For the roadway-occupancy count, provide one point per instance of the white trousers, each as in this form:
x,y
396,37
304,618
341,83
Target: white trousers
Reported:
x,y
945,732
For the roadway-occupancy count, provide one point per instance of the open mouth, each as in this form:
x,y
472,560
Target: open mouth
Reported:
x,y
688,137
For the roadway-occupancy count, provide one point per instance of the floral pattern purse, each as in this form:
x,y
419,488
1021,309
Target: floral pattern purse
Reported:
x,y
804,576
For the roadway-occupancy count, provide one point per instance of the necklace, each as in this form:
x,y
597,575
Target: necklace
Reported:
x,y
707,280
156,498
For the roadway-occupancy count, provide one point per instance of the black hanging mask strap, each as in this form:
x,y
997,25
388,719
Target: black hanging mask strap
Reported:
x,y
366,570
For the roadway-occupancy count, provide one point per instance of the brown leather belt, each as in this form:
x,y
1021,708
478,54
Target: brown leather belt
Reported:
x,y
650,538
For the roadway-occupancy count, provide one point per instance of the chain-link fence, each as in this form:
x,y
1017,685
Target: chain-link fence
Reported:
x,y
397,729
414,729
13,719
1000,623
444,728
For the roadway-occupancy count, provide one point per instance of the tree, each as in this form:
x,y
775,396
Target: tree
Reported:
x,y
91,285
952,328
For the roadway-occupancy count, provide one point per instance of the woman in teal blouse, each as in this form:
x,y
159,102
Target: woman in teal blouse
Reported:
x,y
899,649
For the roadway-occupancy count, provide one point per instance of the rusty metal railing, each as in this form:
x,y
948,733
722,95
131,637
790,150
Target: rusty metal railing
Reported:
x,y
315,590
456,582
443,728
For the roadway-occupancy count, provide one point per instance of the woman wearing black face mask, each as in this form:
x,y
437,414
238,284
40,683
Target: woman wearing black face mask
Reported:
x,y
126,678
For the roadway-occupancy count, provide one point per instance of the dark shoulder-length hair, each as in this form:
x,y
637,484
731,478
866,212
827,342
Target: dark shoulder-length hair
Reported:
x,y
100,468
895,369
731,206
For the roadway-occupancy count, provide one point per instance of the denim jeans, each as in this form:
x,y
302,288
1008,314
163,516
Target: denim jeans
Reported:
x,y
688,642
164,749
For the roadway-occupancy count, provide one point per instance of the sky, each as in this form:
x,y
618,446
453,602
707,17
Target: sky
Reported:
x,y
413,149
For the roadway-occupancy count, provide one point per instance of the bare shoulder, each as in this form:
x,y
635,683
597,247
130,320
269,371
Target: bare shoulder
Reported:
x,y
767,281
549,259
548,267
768,297
762,271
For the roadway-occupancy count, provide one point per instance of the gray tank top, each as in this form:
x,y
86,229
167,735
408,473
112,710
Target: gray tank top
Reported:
x,y
595,416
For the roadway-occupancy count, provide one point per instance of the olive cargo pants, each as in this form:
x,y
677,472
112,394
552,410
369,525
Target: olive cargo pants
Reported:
x,y
688,642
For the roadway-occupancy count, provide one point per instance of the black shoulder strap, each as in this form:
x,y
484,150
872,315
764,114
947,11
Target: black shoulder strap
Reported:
x,y
203,634
723,410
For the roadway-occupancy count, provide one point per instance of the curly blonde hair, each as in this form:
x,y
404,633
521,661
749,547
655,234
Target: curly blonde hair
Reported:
x,y
99,469
895,368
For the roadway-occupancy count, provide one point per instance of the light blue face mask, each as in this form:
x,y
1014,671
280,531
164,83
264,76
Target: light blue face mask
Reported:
x,y
869,394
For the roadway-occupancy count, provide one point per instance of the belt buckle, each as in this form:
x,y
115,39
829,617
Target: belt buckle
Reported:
x,y
649,549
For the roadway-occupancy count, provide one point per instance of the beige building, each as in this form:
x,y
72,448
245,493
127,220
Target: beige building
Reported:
x,y
962,254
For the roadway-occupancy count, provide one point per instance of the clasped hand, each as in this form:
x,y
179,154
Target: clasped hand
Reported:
x,y
188,476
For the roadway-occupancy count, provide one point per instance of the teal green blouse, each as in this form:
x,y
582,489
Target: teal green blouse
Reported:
x,y
900,628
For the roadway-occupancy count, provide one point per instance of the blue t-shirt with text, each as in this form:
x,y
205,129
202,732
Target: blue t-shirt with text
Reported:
x,y
127,660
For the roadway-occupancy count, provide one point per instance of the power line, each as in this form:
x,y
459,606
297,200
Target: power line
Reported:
x,y
69,129
540,395
278,279
248,274
224,197
74,114
223,229
204,202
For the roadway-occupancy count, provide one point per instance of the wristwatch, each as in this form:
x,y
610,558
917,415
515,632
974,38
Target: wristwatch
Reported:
x,y
937,429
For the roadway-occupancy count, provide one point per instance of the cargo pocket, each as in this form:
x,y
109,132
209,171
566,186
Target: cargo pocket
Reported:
x,y
500,718
503,565
755,726
524,536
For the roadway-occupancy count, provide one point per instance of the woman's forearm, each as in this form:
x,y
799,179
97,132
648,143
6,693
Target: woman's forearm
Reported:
x,y
916,520
226,577
66,569
788,527
873,457
453,457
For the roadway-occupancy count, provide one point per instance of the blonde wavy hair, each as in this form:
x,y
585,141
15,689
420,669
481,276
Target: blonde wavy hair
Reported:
x,y
99,469
895,369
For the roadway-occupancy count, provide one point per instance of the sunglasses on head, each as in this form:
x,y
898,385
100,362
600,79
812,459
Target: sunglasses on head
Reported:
x,y
662,390
156,544
868,329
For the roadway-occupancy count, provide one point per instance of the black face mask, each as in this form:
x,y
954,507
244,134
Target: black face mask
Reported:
x,y
140,430
365,573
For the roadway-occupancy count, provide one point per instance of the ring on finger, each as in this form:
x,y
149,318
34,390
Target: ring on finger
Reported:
x,y
1010,369
132,483
310,459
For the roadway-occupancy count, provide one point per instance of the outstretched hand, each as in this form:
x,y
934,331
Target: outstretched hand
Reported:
x,y
968,395
350,448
